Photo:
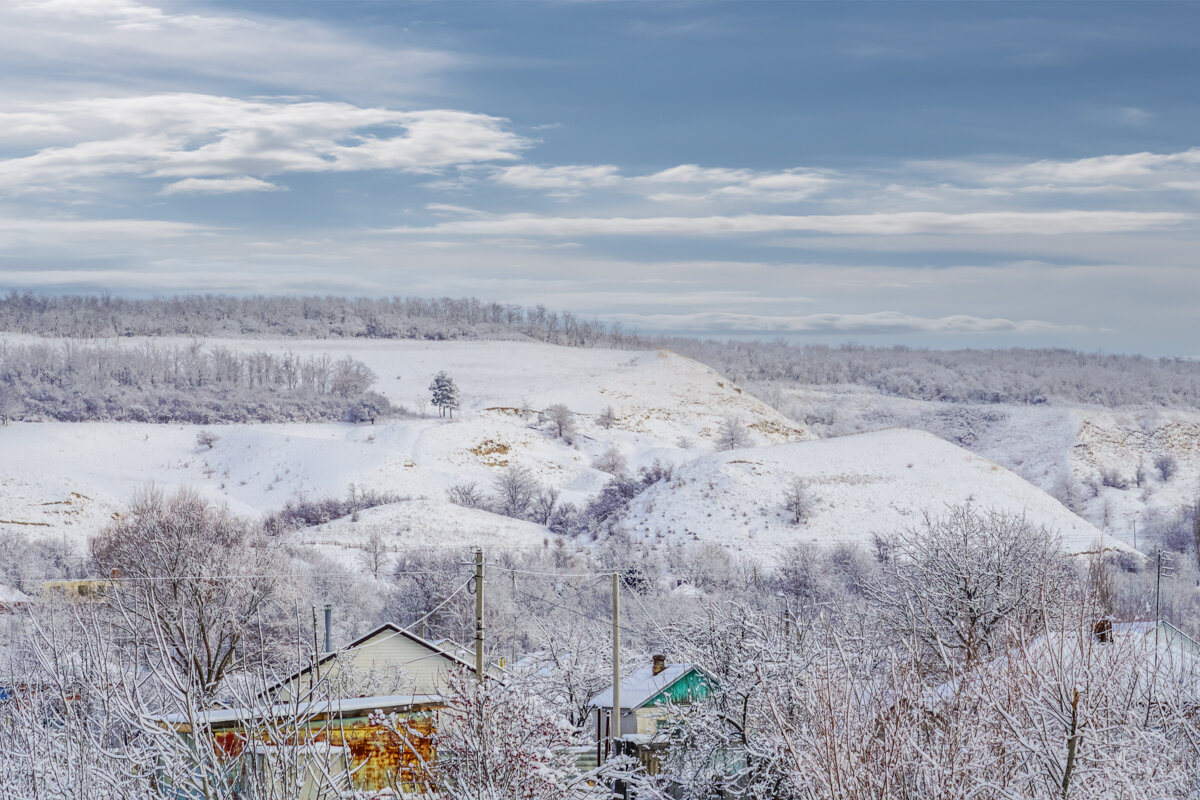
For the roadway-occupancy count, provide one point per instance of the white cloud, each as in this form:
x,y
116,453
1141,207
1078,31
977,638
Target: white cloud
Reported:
x,y
687,182
15,230
205,136
243,183
883,224
117,42
571,177
889,322
1104,169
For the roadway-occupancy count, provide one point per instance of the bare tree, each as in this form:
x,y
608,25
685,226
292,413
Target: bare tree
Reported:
x,y
206,439
516,490
607,418
732,434
466,495
374,552
1167,466
190,581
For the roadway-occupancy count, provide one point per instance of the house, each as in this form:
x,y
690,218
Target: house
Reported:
x,y
387,660
298,744
646,697
12,600
1159,655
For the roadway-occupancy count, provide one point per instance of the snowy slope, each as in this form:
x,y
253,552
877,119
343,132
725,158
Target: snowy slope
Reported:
x,y
865,484
1060,449
68,479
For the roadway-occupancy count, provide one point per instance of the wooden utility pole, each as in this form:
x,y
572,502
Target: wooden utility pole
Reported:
x,y
614,718
479,615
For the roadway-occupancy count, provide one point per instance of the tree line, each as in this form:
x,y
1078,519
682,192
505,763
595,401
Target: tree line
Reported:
x,y
1018,375
74,381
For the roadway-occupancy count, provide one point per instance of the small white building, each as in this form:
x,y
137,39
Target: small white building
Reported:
x,y
646,696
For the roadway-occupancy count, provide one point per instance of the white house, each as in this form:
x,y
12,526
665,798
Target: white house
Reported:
x,y
387,661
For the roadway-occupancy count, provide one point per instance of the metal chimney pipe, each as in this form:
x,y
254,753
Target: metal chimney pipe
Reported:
x,y
328,628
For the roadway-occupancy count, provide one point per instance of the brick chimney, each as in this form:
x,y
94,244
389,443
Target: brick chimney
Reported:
x,y
660,663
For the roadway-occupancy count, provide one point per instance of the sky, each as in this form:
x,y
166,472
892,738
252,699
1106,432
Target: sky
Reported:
x,y
946,174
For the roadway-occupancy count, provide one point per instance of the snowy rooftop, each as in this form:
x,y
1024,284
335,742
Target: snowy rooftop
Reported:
x,y
353,705
10,595
641,687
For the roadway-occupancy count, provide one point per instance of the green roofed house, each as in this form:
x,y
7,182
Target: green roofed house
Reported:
x,y
646,696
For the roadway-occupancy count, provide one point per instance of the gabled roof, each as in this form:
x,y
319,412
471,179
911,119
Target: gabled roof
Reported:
x,y
643,686
388,628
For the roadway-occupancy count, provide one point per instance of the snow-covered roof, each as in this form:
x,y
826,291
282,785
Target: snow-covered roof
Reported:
x,y
642,686
9,595
388,628
1184,652
348,706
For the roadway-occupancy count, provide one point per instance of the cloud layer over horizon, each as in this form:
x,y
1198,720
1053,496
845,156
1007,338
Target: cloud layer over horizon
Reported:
x,y
212,149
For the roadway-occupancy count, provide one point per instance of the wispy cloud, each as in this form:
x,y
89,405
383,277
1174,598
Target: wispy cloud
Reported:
x,y
242,183
881,322
888,224
685,182
204,136
117,42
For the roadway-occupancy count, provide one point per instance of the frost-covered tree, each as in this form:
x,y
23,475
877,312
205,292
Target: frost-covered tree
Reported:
x,y
369,407
798,499
444,394
206,439
611,461
731,434
190,581
350,378
961,582
561,421
607,418
516,490
10,404
501,740
1167,466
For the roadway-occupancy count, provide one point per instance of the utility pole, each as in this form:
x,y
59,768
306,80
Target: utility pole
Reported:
x,y
479,615
614,718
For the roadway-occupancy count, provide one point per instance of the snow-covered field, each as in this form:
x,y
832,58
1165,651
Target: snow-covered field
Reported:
x,y
68,479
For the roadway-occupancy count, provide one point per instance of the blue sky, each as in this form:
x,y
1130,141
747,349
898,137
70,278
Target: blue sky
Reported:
x,y
942,174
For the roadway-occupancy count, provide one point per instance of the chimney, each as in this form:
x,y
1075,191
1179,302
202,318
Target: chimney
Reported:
x,y
660,663
328,628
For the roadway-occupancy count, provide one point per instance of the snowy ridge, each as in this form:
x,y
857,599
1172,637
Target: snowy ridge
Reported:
x,y
867,484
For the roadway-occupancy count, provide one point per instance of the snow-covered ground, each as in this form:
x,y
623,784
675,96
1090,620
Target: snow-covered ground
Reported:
x,y
1060,449
68,479
862,485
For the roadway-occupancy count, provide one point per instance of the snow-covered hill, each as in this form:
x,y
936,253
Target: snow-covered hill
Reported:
x,y
867,484
68,479
1060,449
